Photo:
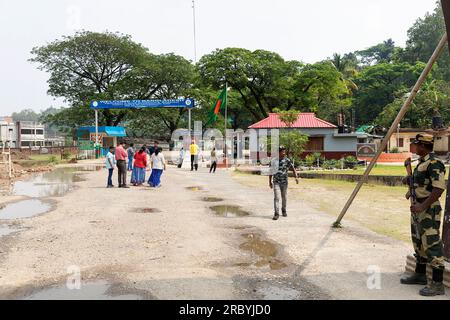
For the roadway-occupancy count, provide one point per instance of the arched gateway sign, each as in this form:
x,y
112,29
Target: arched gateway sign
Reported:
x,y
138,104
187,103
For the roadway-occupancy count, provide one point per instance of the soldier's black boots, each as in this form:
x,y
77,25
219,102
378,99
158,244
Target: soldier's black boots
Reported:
x,y
435,287
415,278
276,217
419,276
432,289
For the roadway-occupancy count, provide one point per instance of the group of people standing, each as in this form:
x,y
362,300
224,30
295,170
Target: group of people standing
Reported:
x,y
194,150
138,162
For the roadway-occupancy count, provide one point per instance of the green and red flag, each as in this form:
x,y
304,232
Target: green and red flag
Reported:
x,y
221,104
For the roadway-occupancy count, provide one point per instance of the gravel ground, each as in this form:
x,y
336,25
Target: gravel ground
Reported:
x,y
167,244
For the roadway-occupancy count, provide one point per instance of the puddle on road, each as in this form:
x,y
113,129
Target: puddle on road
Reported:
x,y
49,184
90,168
212,199
147,210
24,209
6,231
277,293
229,211
265,250
194,188
99,290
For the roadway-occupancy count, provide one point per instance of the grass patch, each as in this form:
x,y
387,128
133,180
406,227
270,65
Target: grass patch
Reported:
x,y
37,160
378,170
382,209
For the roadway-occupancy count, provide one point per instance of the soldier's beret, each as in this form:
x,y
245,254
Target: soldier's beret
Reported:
x,y
424,138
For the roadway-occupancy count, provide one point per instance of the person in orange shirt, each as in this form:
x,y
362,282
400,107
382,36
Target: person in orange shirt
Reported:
x,y
121,156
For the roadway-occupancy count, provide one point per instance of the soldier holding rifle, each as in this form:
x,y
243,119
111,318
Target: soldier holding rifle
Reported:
x,y
427,184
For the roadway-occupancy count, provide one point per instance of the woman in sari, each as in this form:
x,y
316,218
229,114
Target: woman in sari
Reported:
x,y
140,164
158,166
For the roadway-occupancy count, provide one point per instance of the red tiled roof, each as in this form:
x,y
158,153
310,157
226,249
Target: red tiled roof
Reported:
x,y
305,120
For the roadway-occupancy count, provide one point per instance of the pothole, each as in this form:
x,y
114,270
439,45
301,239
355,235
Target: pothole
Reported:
x,y
6,231
98,290
229,211
194,188
49,184
24,209
90,168
266,251
212,199
148,210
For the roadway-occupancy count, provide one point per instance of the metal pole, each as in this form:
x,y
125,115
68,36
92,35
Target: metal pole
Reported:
x,y
195,33
190,135
226,119
437,52
96,129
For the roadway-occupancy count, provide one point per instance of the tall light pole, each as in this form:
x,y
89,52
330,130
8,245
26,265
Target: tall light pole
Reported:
x,y
195,31
195,61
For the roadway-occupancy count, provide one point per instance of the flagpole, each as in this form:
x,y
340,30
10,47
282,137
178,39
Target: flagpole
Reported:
x,y
226,116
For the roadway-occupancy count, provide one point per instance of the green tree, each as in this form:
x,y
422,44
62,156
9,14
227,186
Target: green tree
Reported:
x,y
292,139
383,52
378,86
432,99
423,38
26,115
89,66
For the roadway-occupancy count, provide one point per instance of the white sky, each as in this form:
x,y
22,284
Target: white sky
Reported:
x,y
297,29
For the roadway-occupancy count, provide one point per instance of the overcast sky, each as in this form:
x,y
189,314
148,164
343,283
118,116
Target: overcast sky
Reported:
x,y
306,30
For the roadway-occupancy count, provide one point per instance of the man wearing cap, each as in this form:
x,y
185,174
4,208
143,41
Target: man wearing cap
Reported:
x,y
429,183
278,181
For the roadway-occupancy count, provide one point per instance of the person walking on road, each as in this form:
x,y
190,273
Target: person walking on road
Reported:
x,y
158,166
193,149
279,169
130,151
181,158
140,165
121,156
213,161
153,149
110,164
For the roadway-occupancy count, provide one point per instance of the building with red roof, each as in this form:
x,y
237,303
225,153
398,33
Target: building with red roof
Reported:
x,y
324,137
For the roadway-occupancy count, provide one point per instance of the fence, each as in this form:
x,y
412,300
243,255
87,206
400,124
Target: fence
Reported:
x,y
45,150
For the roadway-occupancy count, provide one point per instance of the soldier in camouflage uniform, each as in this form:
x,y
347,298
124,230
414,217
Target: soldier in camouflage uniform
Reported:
x,y
279,168
429,182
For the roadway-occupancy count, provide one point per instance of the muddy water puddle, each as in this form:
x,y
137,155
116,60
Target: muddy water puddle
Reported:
x,y
229,211
147,210
212,199
194,188
98,290
49,184
266,251
6,231
89,168
24,209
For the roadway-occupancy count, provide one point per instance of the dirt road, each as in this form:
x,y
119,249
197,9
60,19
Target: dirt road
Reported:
x,y
167,243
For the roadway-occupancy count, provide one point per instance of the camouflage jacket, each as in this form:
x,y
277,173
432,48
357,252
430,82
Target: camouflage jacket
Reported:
x,y
429,174
279,170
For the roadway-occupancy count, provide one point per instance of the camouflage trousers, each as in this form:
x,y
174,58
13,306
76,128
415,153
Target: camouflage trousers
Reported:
x,y
427,241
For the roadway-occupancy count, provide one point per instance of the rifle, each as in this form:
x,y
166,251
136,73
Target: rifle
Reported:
x,y
412,194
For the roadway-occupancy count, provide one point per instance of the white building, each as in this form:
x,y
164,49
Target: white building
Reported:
x,y
8,132
30,134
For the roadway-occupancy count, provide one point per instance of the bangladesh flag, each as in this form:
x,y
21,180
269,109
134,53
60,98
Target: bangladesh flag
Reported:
x,y
220,105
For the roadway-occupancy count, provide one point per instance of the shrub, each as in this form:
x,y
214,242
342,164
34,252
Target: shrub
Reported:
x,y
350,162
66,156
53,159
395,150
